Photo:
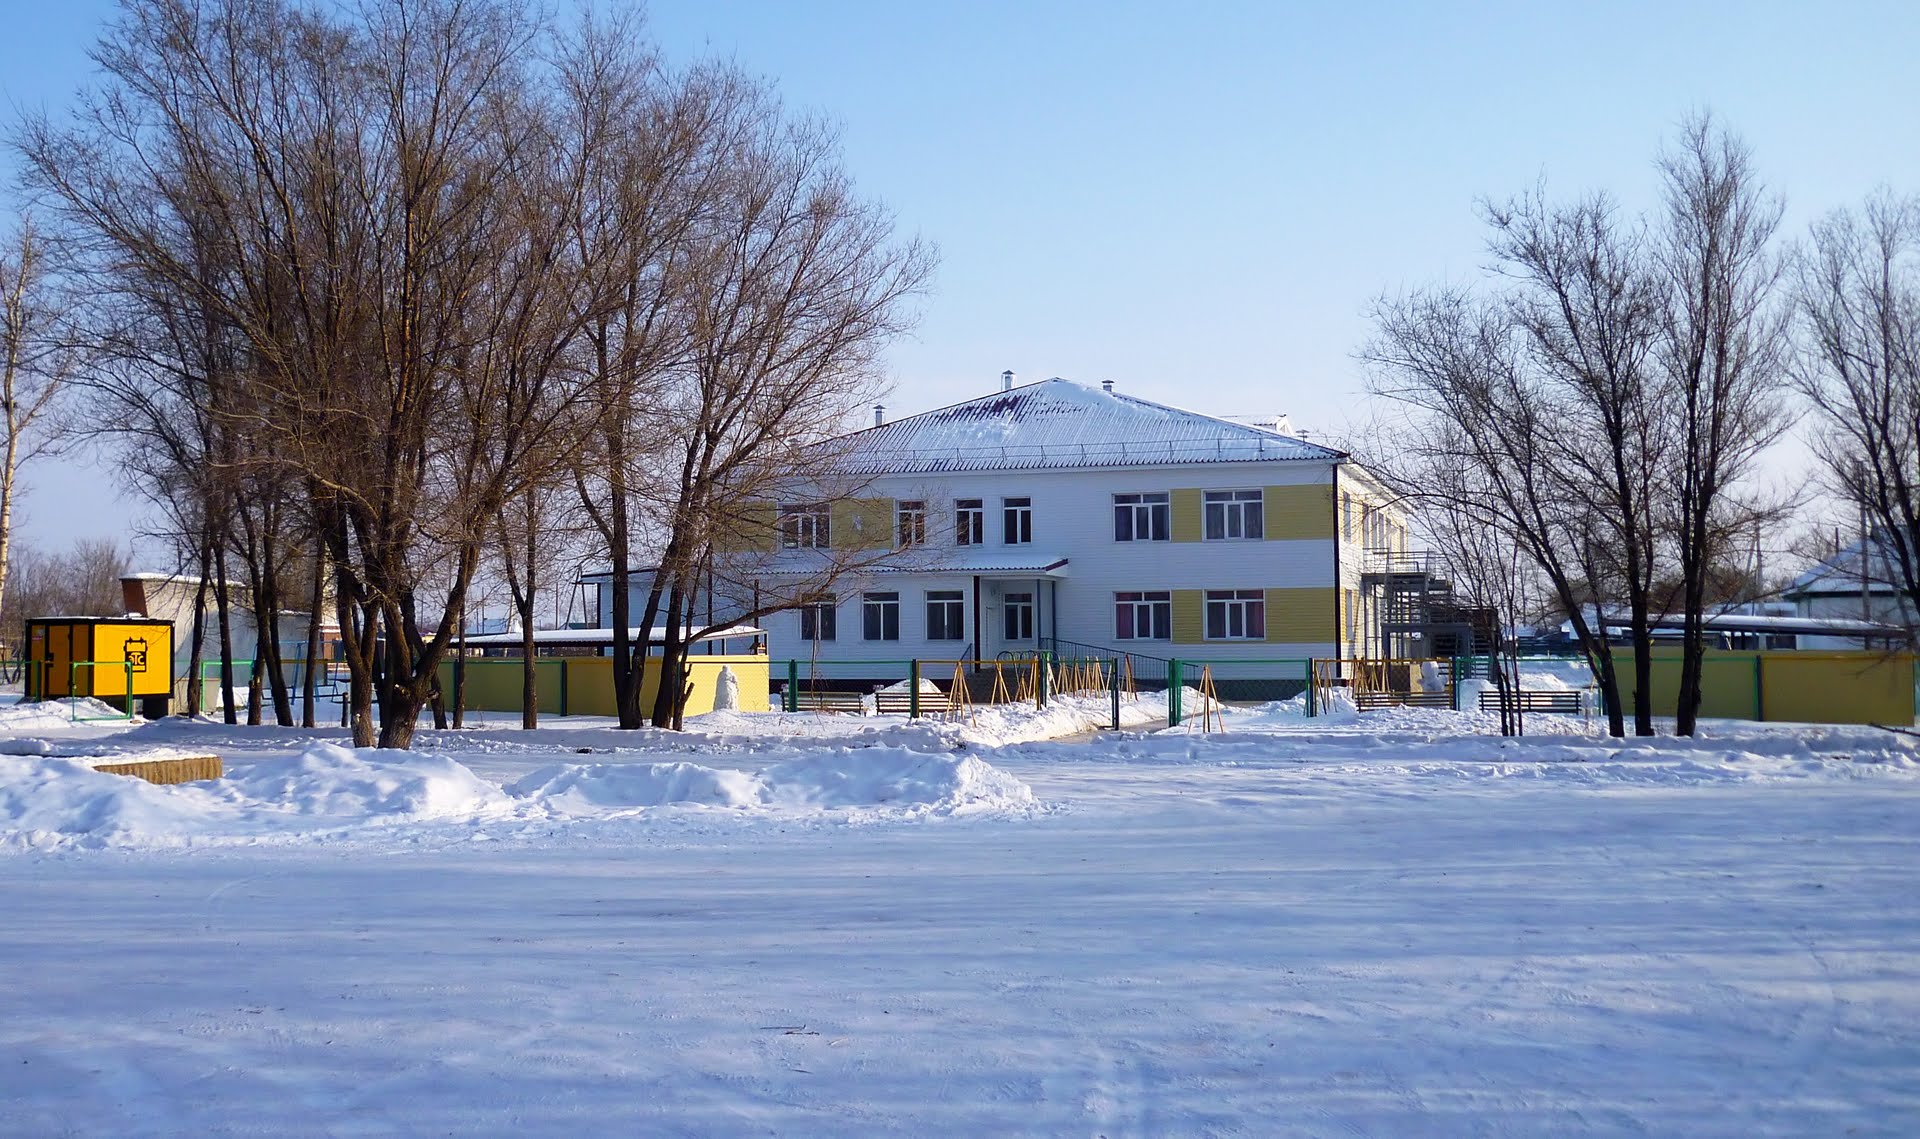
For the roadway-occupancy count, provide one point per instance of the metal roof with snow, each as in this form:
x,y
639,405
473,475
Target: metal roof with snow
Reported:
x,y
1838,574
1064,424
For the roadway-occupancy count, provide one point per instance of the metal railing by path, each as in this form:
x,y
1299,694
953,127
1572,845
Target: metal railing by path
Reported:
x,y
1147,671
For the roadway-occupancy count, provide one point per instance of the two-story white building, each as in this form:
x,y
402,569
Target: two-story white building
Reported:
x,y
1071,517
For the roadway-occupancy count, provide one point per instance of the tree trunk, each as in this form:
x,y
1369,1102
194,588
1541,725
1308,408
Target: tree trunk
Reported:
x,y
221,603
196,652
309,683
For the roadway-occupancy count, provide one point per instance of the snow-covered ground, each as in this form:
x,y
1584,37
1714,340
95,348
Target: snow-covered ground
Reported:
x,y
1390,924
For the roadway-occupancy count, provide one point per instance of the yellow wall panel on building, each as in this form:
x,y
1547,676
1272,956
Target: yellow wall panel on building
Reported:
x,y
752,527
1298,512
1189,626
862,524
1303,616
1186,509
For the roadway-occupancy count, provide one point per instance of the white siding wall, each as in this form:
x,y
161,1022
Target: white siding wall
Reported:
x,y
1073,519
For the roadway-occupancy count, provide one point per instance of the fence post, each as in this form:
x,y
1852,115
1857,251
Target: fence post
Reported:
x,y
1313,687
1759,686
913,689
1113,685
792,701
1044,680
1173,692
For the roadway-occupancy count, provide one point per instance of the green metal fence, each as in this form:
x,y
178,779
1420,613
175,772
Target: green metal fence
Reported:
x,y
1271,678
821,684
73,675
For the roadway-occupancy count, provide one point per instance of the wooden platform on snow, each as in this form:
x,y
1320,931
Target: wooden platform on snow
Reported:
x,y
167,769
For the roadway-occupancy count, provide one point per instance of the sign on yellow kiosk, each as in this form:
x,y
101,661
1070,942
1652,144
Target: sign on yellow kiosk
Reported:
x,y
115,660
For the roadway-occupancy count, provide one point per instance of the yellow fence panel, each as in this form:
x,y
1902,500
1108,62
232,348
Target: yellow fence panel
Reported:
x,y
1838,688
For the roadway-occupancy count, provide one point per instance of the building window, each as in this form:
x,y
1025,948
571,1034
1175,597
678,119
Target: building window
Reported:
x,y
818,620
1140,517
1143,616
969,522
1017,513
1236,615
910,523
880,616
1019,616
946,615
1234,514
803,526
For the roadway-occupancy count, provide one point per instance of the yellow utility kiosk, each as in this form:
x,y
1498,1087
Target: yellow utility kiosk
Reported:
x,y
113,659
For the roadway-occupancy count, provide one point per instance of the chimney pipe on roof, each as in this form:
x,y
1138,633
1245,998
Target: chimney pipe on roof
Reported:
x,y
1106,386
879,414
1006,380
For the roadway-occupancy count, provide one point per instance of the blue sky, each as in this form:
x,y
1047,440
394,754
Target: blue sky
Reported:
x,y
1198,201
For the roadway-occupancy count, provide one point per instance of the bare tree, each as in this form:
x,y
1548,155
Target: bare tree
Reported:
x,y
1857,289
364,178
39,357
1484,442
752,290
1723,351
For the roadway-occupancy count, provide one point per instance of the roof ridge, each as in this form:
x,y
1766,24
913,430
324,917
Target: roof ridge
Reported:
x,y
970,424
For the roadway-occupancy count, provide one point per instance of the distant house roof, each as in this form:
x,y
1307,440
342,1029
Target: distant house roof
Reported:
x,y
1063,424
1838,574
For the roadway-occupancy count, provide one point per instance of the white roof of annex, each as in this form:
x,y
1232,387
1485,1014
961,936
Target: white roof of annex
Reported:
x,y
1062,424
1838,574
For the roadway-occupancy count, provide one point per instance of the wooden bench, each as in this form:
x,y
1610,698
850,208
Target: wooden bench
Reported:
x,y
826,700
1369,701
1526,700
897,703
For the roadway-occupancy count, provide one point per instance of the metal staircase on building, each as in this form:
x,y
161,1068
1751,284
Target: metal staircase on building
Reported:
x,y
1420,617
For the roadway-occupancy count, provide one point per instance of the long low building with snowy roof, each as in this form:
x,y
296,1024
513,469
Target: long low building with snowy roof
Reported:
x,y
1064,516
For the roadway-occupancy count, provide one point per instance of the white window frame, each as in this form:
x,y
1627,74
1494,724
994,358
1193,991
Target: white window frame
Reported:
x,y
909,523
824,618
1155,605
875,607
805,526
1016,521
1240,514
969,521
1242,615
952,607
1148,513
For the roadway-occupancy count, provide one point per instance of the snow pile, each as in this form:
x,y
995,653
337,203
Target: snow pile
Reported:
x,y
587,788
327,779
56,715
47,802
894,778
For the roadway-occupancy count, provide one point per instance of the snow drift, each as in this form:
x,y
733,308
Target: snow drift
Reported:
x,y
918,782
